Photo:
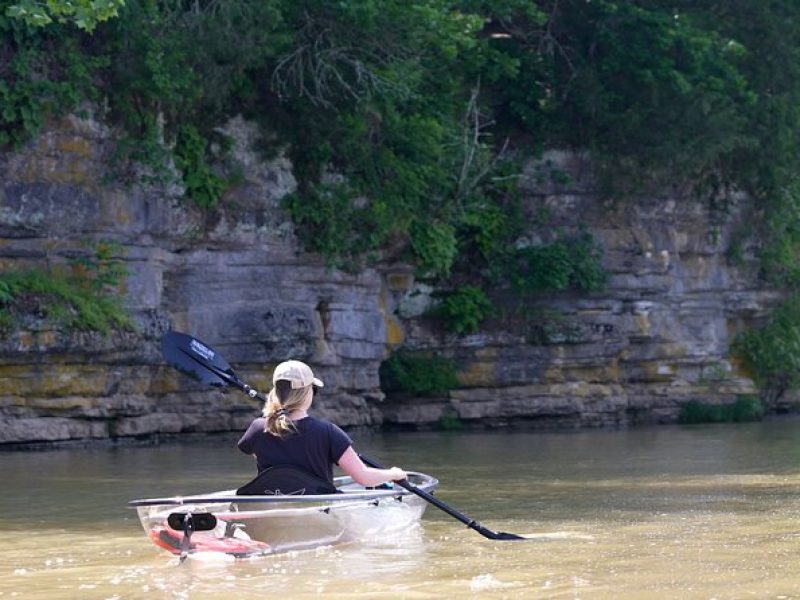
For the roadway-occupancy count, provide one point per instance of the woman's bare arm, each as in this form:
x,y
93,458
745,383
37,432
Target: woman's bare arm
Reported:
x,y
367,476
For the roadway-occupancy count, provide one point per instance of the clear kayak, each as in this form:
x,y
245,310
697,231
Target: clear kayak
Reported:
x,y
247,526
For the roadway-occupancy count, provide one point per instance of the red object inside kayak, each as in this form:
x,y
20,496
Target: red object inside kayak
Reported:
x,y
203,541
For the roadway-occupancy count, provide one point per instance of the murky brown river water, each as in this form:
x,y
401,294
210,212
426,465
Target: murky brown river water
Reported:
x,y
670,512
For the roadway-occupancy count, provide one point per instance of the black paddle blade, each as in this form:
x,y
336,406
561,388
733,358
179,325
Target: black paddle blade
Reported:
x,y
497,535
196,359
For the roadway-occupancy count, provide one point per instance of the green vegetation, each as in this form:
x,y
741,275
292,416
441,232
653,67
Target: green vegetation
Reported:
x,y
80,297
464,310
746,408
407,122
84,14
450,421
202,185
772,353
418,374
782,250
40,75
565,263
543,326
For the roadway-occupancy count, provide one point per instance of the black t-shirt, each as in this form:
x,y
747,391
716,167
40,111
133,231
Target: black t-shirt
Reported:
x,y
316,446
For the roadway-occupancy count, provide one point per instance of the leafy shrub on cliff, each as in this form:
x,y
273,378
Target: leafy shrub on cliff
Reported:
x,y
450,421
83,296
464,310
203,186
335,224
572,262
418,374
60,298
772,352
744,409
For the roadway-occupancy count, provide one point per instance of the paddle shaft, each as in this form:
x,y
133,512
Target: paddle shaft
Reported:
x,y
431,499
229,377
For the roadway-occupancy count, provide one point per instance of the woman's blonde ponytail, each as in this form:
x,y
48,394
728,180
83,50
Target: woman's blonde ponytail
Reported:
x,y
281,401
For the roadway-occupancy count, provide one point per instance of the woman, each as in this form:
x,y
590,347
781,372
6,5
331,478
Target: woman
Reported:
x,y
287,435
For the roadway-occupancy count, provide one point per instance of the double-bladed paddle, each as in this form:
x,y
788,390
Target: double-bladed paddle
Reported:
x,y
201,362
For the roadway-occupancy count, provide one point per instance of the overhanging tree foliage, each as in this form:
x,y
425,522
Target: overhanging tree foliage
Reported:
x,y
85,14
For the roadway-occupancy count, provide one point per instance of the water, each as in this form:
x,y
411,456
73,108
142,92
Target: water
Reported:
x,y
671,512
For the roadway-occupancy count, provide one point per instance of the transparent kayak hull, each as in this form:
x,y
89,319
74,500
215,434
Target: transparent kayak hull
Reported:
x,y
246,526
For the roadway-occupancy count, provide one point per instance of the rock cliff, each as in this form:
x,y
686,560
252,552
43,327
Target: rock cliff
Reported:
x,y
237,278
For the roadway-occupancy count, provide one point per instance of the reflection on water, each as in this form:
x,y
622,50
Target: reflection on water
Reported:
x,y
672,512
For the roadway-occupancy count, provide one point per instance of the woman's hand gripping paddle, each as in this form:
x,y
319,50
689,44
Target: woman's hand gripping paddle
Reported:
x,y
204,364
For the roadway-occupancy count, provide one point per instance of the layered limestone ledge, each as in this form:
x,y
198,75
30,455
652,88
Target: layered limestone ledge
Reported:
x,y
238,278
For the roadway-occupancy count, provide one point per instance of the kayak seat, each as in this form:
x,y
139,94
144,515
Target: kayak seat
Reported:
x,y
286,480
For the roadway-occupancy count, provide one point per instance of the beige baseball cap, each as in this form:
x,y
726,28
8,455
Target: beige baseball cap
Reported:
x,y
298,373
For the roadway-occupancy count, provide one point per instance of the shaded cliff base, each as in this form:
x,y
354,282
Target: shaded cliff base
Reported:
x,y
587,406
446,423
